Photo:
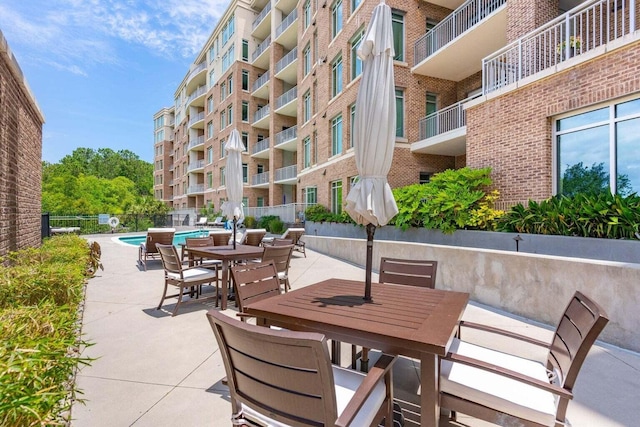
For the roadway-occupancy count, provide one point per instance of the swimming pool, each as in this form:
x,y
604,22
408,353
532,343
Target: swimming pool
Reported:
x,y
178,238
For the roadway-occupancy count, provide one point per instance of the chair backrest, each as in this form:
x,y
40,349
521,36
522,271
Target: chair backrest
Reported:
x,y
202,220
408,272
163,236
284,375
579,327
253,237
254,282
170,259
282,242
293,234
280,255
220,238
197,242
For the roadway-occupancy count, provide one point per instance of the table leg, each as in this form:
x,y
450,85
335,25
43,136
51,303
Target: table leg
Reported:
x,y
429,399
224,284
335,352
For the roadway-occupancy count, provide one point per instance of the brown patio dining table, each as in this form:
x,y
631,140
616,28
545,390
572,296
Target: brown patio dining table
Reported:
x,y
411,321
226,254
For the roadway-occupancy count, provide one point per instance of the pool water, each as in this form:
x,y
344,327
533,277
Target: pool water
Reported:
x,y
178,238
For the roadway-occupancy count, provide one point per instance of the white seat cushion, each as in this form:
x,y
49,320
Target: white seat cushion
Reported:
x,y
496,391
346,383
194,274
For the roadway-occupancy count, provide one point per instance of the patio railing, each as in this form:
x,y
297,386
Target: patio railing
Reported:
x,y
289,213
260,146
445,120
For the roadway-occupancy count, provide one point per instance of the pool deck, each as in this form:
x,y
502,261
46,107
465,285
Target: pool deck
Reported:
x,y
151,369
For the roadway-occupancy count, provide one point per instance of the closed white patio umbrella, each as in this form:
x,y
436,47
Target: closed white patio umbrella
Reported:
x,y
370,202
233,207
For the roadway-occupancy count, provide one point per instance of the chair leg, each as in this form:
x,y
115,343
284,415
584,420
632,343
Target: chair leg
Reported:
x,y
175,309
164,295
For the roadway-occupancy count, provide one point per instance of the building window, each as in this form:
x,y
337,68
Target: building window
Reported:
x,y
425,177
431,106
245,141
355,4
159,135
336,18
397,23
223,176
353,181
597,150
209,155
223,91
306,60
336,135
228,58
260,202
245,80
311,195
222,148
210,130
306,106
399,113
230,84
352,120
209,180
210,104
230,114
245,173
336,77
223,119
336,197
306,152
245,50
356,62
158,123
228,30
245,111
212,78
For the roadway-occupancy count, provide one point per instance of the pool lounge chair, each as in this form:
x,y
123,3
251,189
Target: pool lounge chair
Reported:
x,y
218,222
148,249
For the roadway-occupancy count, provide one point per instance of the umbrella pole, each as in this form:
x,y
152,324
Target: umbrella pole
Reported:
x,y
235,220
371,229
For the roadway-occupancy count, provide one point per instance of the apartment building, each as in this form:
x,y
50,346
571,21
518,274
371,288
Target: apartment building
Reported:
x,y
534,89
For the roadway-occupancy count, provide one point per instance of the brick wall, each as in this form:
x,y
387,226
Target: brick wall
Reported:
x,y
20,158
513,133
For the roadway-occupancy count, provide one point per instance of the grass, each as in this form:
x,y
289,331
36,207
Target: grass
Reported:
x,y
41,290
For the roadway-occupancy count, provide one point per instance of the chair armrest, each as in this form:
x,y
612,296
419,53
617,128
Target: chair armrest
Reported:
x,y
378,372
491,329
469,361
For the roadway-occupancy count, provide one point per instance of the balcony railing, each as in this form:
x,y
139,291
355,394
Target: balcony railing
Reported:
x,y
260,81
261,113
261,48
286,22
260,178
260,146
287,97
261,16
287,135
195,142
287,59
200,90
462,19
198,188
198,117
198,164
448,119
590,25
286,173
196,70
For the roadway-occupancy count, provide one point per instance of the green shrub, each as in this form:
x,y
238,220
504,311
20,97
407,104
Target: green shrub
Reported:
x,y
250,222
40,292
276,226
264,221
319,213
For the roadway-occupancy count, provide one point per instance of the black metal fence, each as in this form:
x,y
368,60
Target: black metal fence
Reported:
x,y
96,224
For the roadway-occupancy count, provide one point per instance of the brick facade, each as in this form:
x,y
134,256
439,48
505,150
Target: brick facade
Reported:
x,y
20,158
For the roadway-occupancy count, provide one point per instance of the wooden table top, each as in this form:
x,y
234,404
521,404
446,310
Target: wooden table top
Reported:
x,y
400,319
227,252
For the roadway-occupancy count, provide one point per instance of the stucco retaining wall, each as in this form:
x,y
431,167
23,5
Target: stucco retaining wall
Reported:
x,y
534,286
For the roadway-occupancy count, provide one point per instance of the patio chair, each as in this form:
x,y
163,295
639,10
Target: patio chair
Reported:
x,y
218,222
281,242
148,249
510,390
281,257
202,222
254,282
294,235
220,238
253,236
280,377
196,242
176,274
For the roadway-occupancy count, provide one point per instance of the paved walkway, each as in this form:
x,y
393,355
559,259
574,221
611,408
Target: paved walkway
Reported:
x,y
151,369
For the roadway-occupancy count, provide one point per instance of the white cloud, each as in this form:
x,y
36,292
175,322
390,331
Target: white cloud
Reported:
x,y
76,35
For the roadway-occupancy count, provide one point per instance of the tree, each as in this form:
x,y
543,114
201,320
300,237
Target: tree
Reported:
x,y
580,179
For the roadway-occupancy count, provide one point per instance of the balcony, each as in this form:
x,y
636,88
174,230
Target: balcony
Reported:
x,y
260,86
287,140
287,175
197,166
197,97
261,26
260,57
195,143
588,27
287,103
195,189
197,121
287,31
261,149
261,118
260,180
443,132
197,76
286,67
454,49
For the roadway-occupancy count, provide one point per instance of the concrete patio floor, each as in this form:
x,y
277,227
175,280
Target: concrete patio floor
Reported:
x,y
151,369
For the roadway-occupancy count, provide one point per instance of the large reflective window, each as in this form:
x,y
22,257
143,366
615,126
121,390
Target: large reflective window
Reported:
x,y
583,161
628,155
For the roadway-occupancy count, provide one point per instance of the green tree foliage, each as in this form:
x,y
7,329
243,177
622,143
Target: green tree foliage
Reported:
x,y
581,179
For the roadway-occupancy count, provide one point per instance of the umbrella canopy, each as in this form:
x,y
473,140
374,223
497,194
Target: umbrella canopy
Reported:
x,y
232,207
370,202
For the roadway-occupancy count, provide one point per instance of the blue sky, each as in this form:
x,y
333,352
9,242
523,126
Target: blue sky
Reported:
x,y
100,69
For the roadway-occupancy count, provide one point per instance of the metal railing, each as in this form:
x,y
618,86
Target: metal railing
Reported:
x,y
286,173
445,120
261,81
261,16
289,213
196,70
200,90
193,189
287,97
197,118
261,113
286,135
261,48
286,22
260,178
287,59
260,146
470,13
198,164
592,24
90,224
195,142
